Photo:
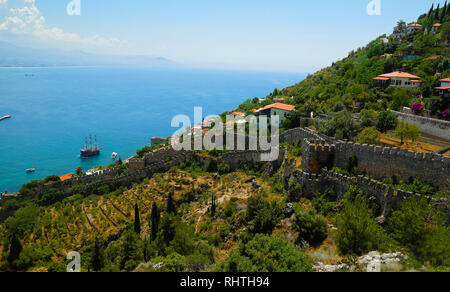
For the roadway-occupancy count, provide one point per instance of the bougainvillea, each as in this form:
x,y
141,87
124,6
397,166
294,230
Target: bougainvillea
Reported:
x,y
446,114
417,108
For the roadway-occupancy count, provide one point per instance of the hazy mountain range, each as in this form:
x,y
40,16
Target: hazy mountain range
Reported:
x,y
15,56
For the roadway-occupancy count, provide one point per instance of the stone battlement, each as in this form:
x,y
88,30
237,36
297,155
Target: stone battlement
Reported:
x,y
379,161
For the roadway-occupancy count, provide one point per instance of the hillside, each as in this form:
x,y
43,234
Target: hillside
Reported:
x,y
323,205
348,82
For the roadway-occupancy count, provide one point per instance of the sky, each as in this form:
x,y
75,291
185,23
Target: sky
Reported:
x,y
274,35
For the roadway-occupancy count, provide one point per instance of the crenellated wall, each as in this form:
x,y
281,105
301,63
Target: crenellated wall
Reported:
x,y
382,198
379,162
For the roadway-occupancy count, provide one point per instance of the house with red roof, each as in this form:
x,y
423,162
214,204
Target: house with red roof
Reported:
x,y
398,79
413,27
276,109
436,28
444,89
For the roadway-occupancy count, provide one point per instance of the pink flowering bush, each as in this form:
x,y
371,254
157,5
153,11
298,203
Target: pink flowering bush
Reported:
x,y
417,108
446,114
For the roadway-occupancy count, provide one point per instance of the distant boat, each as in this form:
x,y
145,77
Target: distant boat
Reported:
x,y
114,155
30,170
5,117
92,150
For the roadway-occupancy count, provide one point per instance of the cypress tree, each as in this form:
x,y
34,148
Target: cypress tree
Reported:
x,y
155,218
444,12
213,205
436,15
137,221
98,258
431,11
15,249
171,209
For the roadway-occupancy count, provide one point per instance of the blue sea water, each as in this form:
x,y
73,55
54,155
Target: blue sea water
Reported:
x,y
54,109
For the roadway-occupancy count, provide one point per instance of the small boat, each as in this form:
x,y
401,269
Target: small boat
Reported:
x,y
5,117
30,170
114,155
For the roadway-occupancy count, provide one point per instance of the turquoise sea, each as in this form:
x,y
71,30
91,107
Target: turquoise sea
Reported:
x,y
54,109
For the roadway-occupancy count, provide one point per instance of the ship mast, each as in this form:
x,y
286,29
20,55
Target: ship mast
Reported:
x,y
85,143
90,141
96,145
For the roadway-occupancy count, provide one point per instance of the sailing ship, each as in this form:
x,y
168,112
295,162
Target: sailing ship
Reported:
x,y
90,149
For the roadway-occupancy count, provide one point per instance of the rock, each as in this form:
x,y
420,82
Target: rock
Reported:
x,y
252,179
158,266
288,210
256,185
381,220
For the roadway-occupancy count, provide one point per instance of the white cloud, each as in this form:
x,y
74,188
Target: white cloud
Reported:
x,y
27,20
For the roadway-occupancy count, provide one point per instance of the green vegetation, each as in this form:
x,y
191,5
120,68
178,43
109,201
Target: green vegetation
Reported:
x,y
369,136
266,254
407,131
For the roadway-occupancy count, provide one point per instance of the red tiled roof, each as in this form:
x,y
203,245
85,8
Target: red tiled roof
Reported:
x,y
66,177
432,58
437,24
398,74
381,78
415,25
445,80
442,88
281,106
238,114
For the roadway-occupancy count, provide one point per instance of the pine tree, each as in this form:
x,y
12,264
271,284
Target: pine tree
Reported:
x,y
98,257
171,208
15,249
155,218
137,221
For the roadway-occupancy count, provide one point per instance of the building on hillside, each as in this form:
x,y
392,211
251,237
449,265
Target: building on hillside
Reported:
x,y
277,109
386,56
399,33
444,89
398,79
413,27
436,28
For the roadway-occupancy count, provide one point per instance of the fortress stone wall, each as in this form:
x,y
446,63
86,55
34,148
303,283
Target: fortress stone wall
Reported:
x,y
382,198
378,162
438,128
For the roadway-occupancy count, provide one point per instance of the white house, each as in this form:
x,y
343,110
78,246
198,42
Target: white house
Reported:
x,y
277,109
398,79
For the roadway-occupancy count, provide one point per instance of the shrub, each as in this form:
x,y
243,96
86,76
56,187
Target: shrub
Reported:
x,y
369,136
407,131
368,118
417,226
387,121
266,254
312,228
358,232
417,108
262,216
224,168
